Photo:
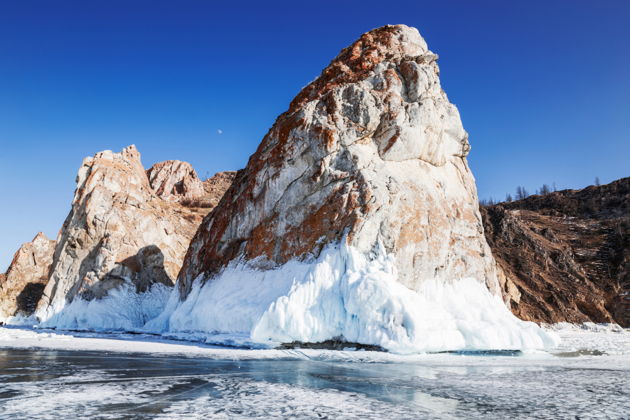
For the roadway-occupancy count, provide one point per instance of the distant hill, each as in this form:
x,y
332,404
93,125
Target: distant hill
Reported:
x,y
567,253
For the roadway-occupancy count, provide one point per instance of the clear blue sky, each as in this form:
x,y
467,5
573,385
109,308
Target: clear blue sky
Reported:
x,y
543,86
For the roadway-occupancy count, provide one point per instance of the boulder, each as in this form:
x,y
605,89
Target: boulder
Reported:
x,y
23,284
370,152
175,180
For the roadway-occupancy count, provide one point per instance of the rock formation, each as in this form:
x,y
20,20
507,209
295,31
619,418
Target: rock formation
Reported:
x,y
216,187
371,151
175,180
362,194
125,227
567,253
22,285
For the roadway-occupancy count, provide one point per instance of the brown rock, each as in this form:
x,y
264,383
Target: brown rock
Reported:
x,y
121,229
567,253
213,190
175,180
22,285
372,153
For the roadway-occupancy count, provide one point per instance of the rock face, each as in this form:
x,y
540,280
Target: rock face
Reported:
x,y
125,227
356,220
567,253
23,284
175,181
215,188
369,153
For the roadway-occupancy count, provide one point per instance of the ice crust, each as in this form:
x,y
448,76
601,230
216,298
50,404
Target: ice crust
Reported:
x,y
343,294
122,309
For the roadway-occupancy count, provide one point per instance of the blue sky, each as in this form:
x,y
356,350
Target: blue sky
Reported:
x,y
543,87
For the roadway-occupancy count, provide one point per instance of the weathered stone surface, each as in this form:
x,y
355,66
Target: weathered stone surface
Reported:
x,y
567,253
24,281
215,187
213,190
175,180
370,152
121,230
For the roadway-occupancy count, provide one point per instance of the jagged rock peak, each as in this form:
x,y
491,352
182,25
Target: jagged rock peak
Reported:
x,y
118,231
175,180
371,151
22,286
391,43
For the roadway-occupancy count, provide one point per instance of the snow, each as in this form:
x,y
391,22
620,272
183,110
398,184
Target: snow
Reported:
x,y
346,295
591,338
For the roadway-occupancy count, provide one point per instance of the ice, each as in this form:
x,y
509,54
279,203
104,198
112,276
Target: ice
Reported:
x,y
613,342
119,375
610,339
342,295
121,309
346,295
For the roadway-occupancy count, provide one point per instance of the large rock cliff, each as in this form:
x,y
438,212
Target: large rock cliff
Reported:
x,y
356,219
126,226
370,152
23,284
567,253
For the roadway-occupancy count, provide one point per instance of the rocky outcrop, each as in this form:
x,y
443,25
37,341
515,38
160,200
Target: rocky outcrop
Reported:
x,y
175,180
216,187
369,153
213,190
126,226
356,220
23,284
567,253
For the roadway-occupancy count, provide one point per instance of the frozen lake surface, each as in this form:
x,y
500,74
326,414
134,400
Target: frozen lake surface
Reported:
x,y
54,375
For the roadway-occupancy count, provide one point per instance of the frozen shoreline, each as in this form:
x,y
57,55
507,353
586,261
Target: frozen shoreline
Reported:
x,y
587,343
342,295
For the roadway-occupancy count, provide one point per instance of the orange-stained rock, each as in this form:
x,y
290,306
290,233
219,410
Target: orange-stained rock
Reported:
x,y
370,152
175,180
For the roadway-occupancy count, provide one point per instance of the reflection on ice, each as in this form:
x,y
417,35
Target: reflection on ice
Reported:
x,y
46,384
45,374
